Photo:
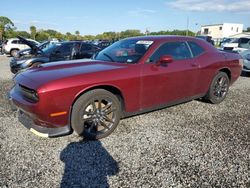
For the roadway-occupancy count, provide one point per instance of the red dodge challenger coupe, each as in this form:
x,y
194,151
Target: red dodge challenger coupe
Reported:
x,y
132,76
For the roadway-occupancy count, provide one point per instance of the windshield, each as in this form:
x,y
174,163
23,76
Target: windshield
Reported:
x,y
125,51
234,40
51,48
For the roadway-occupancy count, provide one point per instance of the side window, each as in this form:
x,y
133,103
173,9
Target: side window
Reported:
x,y
244,43
178,50
15,42
20,42
85,47
65,49
196,49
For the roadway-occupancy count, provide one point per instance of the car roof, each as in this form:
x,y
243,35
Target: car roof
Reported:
x,y
75,41
19,39
162,37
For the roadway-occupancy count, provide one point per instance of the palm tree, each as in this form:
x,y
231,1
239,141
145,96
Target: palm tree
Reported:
x,y
33,32
77,34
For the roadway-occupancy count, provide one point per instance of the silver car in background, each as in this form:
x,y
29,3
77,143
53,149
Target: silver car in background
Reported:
x,y
246,63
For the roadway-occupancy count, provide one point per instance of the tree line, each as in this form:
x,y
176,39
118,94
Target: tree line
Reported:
x,y
8,30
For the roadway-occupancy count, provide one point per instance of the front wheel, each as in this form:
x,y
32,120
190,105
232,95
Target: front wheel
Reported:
x,y
96,114
218,89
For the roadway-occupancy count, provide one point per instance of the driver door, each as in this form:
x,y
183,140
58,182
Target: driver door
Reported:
x,y
170,82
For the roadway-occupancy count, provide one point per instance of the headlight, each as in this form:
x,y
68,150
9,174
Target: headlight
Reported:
x,y
28,93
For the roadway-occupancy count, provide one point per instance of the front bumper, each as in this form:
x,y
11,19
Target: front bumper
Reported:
x,y
14,67
15,70
42,131
30,124
245,69
5,51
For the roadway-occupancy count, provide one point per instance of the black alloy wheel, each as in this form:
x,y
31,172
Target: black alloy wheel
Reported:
x,y
219,88
96,114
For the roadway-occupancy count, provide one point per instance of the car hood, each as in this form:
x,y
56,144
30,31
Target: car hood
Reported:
x,y
46,73
28,43
23,52
232,45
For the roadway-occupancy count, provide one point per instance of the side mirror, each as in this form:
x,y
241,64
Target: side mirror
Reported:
x,y
165,60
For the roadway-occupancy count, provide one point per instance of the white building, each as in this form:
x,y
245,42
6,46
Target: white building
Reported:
x,y
219,31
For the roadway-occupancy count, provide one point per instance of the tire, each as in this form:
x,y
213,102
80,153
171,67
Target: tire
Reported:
x,y
96,114
14,52
218,89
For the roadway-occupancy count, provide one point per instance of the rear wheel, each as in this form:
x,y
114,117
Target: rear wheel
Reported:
x,y
96,114
218,89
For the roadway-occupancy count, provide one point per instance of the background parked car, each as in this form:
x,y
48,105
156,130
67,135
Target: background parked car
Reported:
x,y
13,45
55,52
104,44
206,38
246,63
227,40
1,43
41,46
239,45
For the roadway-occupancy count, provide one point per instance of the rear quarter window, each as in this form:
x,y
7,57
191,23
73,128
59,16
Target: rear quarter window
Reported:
x,y
196,49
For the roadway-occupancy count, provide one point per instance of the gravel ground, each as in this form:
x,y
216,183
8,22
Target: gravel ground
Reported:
x,y
189,145
4,68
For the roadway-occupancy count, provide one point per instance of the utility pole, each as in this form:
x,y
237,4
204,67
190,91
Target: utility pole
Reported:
x,y
147,31
187,26
197,25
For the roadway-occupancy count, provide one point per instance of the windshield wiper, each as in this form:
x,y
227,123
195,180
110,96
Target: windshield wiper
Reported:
x,y
109,57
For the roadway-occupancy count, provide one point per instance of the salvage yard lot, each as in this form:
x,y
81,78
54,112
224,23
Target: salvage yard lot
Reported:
x,y
194,144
